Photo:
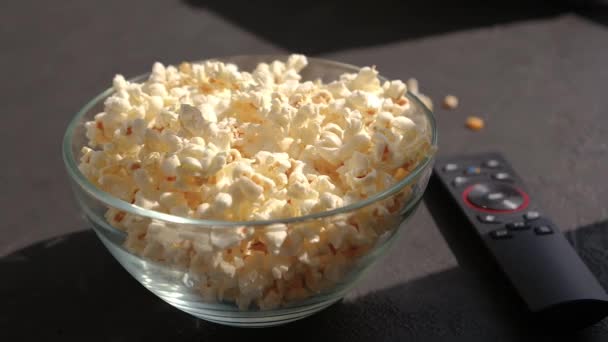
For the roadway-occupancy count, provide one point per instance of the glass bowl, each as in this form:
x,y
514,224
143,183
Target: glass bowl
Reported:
x,y
316,281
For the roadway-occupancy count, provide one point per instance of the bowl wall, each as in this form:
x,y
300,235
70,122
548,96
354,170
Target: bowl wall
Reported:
x,y
181,285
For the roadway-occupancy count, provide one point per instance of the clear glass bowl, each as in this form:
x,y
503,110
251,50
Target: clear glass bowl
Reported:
x,y
181,287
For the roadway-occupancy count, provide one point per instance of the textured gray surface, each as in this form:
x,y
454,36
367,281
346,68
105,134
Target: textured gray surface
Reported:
x,y
540,84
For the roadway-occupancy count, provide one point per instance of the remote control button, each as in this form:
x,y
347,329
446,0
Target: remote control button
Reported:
x,y
531,215
492,163
502,176
450,167
543,230
501,234
472,170
495,196
517,226
488,218
458,181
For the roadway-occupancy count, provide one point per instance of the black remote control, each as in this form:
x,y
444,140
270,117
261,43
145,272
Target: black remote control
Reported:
x,y
531,251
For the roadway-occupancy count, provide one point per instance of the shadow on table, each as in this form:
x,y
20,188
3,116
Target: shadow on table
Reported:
x,y
597,13
70,288
320,26
591,243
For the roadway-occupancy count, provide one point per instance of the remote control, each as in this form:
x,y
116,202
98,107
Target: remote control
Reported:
x,y
529,248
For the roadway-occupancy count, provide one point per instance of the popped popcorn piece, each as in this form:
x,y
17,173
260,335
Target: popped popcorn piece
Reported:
x,y
208,141
450,102
275,239
227,237
394,89
412,85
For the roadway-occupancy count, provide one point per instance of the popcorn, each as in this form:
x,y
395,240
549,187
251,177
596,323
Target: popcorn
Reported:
x,y
474,123
275,238
168,120
245,188
450,102
364,102
170,165
119,83
328,201
296,62
222,201
403,123
412,85
115,107
169,200
394,89
208,141
366,80
227,237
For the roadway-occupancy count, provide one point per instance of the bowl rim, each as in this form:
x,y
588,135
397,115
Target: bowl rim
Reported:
x,y
112,201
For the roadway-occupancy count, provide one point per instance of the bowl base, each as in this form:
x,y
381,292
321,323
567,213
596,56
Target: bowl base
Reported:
x,y
174,287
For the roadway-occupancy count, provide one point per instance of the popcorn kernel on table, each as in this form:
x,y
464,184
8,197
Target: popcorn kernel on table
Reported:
x,y
450,102
474,123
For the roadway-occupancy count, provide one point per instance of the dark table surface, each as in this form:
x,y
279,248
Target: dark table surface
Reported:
x,y
536,72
